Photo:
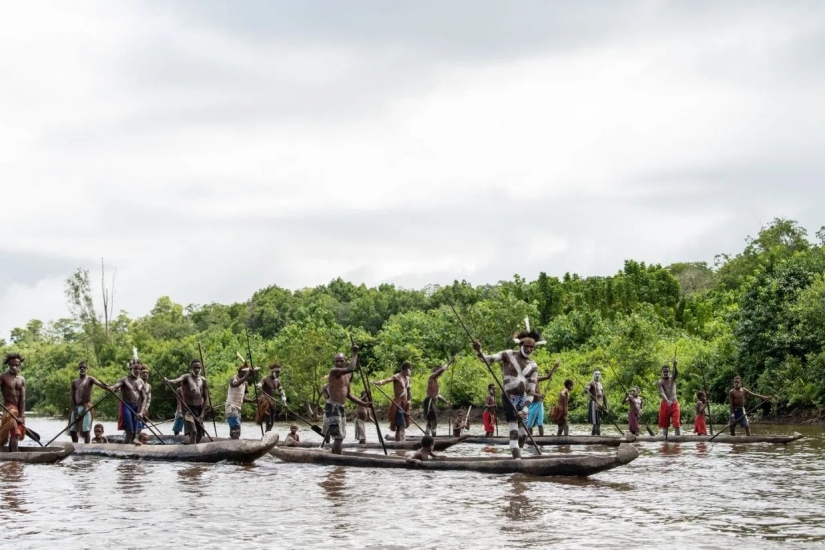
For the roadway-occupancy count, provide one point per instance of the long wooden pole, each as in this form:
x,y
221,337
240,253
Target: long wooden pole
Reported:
x,y
315,428
747,412
78,419
203,363
254,378
31,433
394,402
590,395
152,428
195,418
500,386
367,389
624,389
707,397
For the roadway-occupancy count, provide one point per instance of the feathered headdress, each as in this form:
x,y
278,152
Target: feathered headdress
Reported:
x,y
528,336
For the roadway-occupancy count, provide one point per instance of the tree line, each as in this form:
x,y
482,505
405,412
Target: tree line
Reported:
x,y
759,313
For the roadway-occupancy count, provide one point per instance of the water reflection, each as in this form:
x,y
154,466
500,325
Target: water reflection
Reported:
x,y
192,480
334,487
520,507
11,485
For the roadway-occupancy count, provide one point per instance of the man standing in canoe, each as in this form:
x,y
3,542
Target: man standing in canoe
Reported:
x,y
489,417
13,387
736,398
339,391
236,397
399,410
147,388
133,393
520,376
562,409
195,392
597,403
669,412
535,417
80,396
433,395
266,404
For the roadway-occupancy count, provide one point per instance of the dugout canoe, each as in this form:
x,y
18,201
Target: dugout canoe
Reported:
x,y
440,444
242,451
540,466
725,438
544,440
37,455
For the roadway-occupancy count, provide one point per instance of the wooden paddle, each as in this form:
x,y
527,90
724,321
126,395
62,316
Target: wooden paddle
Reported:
x,y
500,386
599,407
315,428
31,433
203,363
394,402
624,389
254,381
367,389
707,397
78,419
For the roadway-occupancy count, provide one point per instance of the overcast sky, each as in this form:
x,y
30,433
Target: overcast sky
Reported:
x,y
209,149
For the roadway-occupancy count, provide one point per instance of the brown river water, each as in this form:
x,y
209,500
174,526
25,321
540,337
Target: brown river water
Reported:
x,y
689,495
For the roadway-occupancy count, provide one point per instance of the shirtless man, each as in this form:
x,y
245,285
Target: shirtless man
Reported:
x,y
634,414
520,374
195,392
669,412
399,408
144,410
597,403
362,416
562,409
535,416
489,415
13,387
339,391
736,398
80,397
433,395
133,393
235,398
269,386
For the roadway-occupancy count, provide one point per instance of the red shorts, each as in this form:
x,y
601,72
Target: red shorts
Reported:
x,y
669,415
489,422
699,426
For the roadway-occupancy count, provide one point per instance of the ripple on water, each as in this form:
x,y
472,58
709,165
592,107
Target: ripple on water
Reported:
x,y
679,495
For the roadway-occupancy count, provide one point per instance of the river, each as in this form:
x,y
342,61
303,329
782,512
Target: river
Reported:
x,y
689,495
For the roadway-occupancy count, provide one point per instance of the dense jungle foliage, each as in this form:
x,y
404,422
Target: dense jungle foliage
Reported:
x,y
759,313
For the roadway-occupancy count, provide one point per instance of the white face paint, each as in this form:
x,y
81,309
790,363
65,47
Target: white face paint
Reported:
x,y
526,352
597,376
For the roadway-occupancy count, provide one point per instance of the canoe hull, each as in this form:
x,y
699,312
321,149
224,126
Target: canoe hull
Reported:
x,y
441,444
242,451
570,465
615,441
38,455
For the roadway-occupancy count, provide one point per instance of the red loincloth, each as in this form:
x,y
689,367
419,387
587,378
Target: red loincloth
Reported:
x,y
489,421
9,426
699,426
670,415
264,404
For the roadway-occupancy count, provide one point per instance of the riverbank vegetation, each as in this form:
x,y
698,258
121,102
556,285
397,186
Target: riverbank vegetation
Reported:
x,y
759,313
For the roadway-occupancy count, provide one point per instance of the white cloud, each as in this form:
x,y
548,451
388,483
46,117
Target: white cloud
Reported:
x,y
206,158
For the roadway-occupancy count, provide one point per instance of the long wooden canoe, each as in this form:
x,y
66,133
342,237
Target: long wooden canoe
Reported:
x,y
37,455
441,444
615,441
231,450
545,440
559,465
725,438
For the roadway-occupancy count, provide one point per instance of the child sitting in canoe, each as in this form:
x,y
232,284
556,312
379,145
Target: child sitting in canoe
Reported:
x,y
426,450
292,438
142,439
99,438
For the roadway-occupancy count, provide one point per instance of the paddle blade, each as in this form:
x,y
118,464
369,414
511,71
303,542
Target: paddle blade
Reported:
x,y
649,431
317,430
33,434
